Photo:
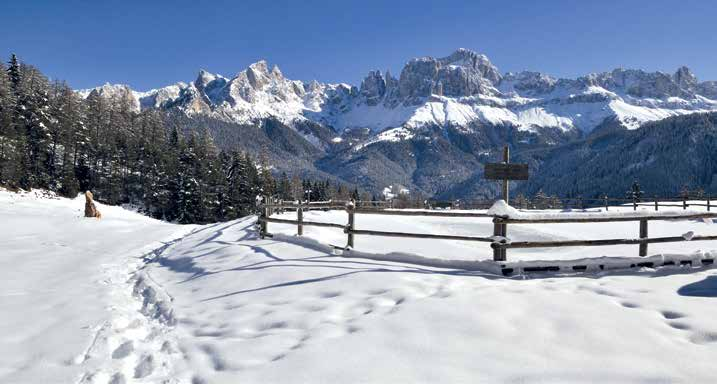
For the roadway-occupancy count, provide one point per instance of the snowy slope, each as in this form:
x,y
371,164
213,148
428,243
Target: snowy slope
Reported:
x,y
220,305
64,291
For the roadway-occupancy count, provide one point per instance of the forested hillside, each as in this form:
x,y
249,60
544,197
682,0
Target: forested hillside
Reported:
x,y
51,138
666,157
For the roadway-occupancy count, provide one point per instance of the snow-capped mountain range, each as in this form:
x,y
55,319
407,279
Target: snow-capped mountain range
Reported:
x,y
461,89
432,128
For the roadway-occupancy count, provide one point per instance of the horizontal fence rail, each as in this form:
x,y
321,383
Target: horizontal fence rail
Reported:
x,y
421,213
558,220
499,241
302,222
574,243
418,235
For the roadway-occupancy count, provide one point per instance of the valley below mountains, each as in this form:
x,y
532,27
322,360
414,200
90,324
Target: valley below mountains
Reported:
x,y
432,127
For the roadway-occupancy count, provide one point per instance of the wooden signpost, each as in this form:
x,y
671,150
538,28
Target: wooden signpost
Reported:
x,y
504,171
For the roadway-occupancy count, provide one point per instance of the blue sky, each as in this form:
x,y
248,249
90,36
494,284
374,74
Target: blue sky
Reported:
x,y
148,44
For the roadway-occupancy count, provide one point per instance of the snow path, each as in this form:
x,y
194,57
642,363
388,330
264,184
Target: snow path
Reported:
x,y
66,291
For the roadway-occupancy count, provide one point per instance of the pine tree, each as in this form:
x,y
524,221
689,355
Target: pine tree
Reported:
x,y
209,176
13,71
94,173
541,200
284,187
150,165
172,168
8,137
32,119
306,192
266,180
331,192
555,202
342,192
122,135
189,208
317,194
296,188
521,201
226,209
67,128
635,193
248,185
64,116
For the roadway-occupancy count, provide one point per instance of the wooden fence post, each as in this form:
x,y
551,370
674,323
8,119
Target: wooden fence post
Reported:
x,y
300,219
643,235
708,203
607,204
684,202
657,205
263,225
499,230
634,203
351,209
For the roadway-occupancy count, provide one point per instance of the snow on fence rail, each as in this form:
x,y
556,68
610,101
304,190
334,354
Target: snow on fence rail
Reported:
x,y
502,215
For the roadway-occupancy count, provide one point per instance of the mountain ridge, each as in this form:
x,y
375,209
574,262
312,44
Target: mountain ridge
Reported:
x,y
459,88
429,129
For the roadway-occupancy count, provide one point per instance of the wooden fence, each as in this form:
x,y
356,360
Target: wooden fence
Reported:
x,y
499,241
546,202
577,203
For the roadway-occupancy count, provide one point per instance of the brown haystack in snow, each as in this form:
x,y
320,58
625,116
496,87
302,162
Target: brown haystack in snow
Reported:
x,y
90,209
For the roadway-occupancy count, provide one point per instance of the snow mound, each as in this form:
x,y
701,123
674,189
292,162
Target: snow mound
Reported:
x,y
501,208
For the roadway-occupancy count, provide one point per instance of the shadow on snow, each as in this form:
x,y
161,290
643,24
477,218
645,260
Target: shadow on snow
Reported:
x,y
357,262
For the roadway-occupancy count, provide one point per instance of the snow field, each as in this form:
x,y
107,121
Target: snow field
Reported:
x,y
274,311
66,291
128,299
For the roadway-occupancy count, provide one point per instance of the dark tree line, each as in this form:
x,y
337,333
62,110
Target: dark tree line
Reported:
x,y
51,138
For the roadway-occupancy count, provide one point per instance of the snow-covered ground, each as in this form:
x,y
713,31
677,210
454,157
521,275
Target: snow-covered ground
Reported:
x,y
65,294
220,305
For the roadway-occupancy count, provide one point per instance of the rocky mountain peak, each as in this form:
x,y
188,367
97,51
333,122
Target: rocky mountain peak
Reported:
x,y
528,83
469,59
276,72
373,87
685,78
204,78
258,74
121,93
463,73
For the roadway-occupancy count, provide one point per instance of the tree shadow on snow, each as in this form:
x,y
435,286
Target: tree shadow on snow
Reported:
x,y
342,275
